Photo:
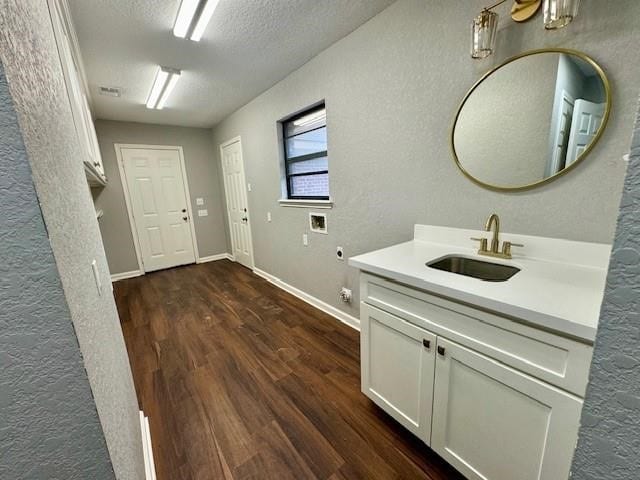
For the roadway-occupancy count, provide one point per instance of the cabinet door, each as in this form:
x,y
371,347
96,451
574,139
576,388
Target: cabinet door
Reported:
x,y
397,368
494,423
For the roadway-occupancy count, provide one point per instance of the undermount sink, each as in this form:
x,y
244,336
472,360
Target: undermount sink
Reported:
x,y
470,267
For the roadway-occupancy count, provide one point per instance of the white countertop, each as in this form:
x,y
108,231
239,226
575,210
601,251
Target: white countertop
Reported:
x,y
559,289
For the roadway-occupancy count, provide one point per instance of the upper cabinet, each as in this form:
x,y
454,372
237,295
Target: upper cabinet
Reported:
x,y
77,91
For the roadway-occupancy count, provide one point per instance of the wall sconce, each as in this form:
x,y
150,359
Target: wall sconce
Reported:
x,y
557,14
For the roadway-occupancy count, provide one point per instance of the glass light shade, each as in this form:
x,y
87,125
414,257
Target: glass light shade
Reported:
x,y
483,34
559,13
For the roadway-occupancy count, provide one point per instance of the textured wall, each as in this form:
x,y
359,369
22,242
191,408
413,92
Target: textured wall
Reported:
x,y
610,435
391,89
30,57
49,427
202,176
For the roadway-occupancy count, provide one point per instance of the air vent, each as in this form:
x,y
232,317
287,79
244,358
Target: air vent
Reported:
x,y
110,91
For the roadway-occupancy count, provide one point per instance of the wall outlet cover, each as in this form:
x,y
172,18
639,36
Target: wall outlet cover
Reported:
x,y
199,201
340,253
305,239
268,216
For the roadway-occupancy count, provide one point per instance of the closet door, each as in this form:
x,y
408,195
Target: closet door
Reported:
x,y
397,362
492,422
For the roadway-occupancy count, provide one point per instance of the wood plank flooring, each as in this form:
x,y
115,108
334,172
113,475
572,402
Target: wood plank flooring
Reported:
x,y
242,380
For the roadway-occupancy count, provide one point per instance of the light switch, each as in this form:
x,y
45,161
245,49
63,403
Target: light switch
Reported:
x,y
203,213
305,239
268,216
249,186
96,276
199,201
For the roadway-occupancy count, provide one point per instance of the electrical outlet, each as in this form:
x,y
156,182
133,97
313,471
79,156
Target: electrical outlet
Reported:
x,y
268,216
199,201
339,253
345,295
203,213
305,239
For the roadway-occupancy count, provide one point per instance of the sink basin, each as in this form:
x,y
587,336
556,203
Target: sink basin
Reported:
x,y
470,267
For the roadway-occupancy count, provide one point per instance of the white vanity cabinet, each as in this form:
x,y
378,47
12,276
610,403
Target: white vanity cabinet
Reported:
x,y
495,397
83,121
399,369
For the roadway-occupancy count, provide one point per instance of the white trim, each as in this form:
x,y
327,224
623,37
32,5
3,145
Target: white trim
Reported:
x,y
284,202
345,318
213,258
127,196
115,277
147,450
223,145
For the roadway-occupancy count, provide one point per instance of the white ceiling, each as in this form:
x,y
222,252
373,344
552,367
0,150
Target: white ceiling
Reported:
x,y
249,46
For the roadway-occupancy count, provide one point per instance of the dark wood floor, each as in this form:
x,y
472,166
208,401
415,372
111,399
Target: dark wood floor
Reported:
x,y
242,380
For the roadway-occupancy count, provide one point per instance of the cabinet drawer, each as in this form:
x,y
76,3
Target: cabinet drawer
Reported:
x,y
555,359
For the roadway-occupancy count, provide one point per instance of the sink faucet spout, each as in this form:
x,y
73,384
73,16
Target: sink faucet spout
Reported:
x,y
494,220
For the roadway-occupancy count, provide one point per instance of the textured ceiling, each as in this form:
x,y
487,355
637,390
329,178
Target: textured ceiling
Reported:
x,y
248,46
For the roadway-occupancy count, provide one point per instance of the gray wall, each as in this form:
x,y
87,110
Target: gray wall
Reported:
x,y
202,176
391,89
35,79
45,396
608,442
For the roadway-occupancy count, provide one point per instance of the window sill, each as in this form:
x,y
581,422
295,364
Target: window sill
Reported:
x,y
306,203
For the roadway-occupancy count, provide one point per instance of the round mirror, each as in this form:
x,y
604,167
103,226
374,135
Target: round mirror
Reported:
x,y
531,119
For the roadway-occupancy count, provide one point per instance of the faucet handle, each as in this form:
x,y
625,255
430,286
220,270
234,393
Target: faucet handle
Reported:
x,y
483,243
506,247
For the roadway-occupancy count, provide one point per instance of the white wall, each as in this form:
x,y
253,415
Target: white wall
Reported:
x,y
392,88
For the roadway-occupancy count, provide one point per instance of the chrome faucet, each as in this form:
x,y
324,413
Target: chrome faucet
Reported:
x,y
494,251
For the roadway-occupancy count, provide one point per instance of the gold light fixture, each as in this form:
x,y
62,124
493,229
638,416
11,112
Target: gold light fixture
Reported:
x,y
484,27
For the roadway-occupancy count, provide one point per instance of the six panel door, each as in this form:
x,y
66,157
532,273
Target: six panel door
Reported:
x,y
398,362
159,203
494,423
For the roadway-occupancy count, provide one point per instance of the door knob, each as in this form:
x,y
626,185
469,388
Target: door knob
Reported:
x,y
185,218
244,219
184,210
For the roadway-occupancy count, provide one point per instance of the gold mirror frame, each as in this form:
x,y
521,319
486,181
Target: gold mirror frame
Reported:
x,y
605,119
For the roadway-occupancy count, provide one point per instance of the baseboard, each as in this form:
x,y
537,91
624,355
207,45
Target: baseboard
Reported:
x,y
345,318
124,275
147,450
213,258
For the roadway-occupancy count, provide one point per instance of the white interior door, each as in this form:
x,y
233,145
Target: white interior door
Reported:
x,y
494,423
235,189
159,203
587,118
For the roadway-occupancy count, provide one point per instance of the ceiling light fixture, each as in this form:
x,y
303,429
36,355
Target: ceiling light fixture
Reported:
x,y
193,18
165,81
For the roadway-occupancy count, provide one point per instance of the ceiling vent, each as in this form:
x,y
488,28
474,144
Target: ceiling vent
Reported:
x,y
110,91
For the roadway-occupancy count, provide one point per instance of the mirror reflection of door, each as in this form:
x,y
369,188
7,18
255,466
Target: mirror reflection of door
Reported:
x,y
561,137
587,118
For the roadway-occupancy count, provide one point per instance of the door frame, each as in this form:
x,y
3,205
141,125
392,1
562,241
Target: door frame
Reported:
x,y
127,196
231,141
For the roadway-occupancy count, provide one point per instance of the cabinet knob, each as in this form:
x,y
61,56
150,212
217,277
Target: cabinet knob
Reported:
x,y
426,343
441,351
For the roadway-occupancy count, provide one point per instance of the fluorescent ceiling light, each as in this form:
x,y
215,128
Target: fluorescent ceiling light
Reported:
x,y
193,18
166,79
185,16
